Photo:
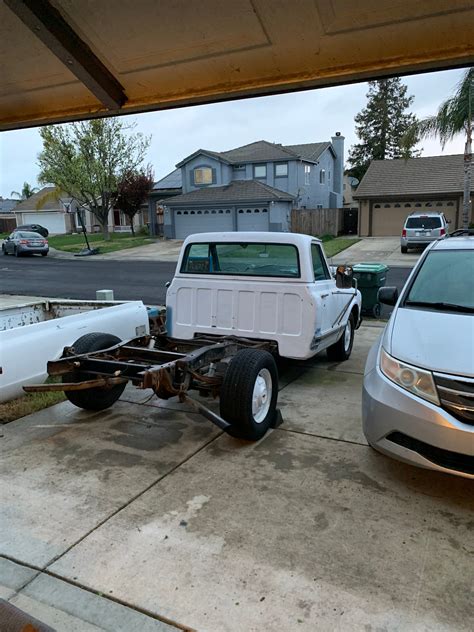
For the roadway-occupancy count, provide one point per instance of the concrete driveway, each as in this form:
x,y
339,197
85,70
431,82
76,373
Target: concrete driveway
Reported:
x,y
377,250
147,517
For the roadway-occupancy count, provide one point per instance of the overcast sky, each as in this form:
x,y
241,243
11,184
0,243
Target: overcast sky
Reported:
x,y
300,117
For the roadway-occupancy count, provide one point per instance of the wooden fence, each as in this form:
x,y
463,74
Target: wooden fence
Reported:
x,y
7,224
317,221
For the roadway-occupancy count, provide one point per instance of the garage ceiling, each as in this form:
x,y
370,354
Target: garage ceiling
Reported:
x,y
69,59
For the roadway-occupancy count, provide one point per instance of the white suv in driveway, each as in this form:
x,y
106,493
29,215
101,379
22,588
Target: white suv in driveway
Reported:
x,y
422,228
418,396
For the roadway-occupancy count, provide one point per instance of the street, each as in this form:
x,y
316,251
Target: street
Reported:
x,y
130,280
70,278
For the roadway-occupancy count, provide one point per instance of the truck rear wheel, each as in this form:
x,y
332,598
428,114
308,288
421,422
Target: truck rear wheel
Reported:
x,y
98,398
249,394
341,350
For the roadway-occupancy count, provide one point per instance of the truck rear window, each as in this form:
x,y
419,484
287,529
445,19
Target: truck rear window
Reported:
x,y
246,259
423,222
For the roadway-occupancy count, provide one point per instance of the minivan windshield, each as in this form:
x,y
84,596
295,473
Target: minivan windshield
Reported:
x,y
445,282
423,222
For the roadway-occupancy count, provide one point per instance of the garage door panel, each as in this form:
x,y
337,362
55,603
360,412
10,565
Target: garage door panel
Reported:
x,y
202,221
54,222
252,219
387,222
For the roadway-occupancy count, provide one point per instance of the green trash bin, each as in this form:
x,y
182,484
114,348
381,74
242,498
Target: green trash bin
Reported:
x,y
370,277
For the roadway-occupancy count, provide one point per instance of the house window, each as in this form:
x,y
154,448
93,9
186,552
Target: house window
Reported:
x,y
449,204
260,171
407,205
317,206
307,174
322,176
203,175
329,176
281,169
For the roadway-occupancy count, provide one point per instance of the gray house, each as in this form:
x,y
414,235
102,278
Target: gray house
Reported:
x,y
253,187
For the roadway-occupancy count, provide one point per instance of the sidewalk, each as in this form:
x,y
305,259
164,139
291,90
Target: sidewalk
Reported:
x,y
167,250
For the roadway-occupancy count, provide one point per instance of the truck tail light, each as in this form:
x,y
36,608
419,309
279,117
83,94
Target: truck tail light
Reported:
x,y
45,242
404,232
442,232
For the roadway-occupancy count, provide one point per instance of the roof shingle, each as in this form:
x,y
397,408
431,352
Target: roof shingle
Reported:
x,y
235,191
416,176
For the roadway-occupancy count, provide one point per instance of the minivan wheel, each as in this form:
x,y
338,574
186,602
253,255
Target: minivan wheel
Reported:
x,y
404,250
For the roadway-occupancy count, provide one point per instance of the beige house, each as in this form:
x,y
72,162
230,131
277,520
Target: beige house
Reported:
x,y
59,214
392,189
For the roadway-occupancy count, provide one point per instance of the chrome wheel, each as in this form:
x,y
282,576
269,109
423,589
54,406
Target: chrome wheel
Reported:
x,y
262,395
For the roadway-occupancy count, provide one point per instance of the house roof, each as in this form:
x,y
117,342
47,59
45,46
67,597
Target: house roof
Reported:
x,y
7,205
171,181
235,191
415,176
262,151
309,151
30,204
258,151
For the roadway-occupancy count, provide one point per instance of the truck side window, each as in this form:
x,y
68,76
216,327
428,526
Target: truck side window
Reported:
x,y
321,272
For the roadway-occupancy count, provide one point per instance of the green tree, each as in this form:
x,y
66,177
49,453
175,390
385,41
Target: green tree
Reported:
x,y
454,117
133,189
382,125
88,159
26,192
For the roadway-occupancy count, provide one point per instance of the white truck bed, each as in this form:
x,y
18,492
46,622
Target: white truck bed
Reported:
x,y
31,334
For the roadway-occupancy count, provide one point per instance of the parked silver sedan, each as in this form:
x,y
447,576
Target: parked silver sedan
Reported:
x,y
418,395
23,242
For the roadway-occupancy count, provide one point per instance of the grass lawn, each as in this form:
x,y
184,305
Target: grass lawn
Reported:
x,y
333,245
75,243
29,403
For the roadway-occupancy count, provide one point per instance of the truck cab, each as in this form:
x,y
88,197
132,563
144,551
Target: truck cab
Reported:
x,y
262,285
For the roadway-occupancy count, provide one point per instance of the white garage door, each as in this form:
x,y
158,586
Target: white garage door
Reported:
x,y
252,219
54,222
203,221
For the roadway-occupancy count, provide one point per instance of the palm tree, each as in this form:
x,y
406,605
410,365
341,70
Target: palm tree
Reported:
x,y
26,192
454,116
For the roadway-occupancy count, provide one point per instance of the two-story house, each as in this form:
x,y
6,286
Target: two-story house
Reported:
x,y
249,188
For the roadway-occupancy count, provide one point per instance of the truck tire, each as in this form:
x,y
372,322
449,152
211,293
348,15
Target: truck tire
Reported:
x,y
249,394
92,398
403,250
4,250
341,350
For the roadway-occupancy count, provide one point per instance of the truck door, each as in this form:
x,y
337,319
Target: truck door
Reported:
x,y
324,285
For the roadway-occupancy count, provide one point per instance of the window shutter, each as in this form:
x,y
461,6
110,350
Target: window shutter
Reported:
x,y
214,176
191,177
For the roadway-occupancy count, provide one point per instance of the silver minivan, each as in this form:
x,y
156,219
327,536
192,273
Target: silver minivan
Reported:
x,y
422,228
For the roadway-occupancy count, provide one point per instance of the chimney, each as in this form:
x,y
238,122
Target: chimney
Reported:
x,y
338,146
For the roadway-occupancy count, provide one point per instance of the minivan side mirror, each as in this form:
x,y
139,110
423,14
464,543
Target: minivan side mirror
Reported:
x,y
388,295
344,276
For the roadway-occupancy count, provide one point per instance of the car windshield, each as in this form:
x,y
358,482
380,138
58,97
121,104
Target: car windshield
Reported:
x,y
423,222
249,259
445,281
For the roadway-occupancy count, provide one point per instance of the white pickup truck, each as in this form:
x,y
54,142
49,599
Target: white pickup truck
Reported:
x,y
33,333
237,302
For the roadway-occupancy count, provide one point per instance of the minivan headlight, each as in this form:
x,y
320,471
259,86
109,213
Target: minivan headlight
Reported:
x,y
411,378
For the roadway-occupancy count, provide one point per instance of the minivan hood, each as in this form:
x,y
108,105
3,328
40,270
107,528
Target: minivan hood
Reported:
x,y
437,341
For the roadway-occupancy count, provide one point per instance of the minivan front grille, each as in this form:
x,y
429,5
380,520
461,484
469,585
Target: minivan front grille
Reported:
x,y
456,395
